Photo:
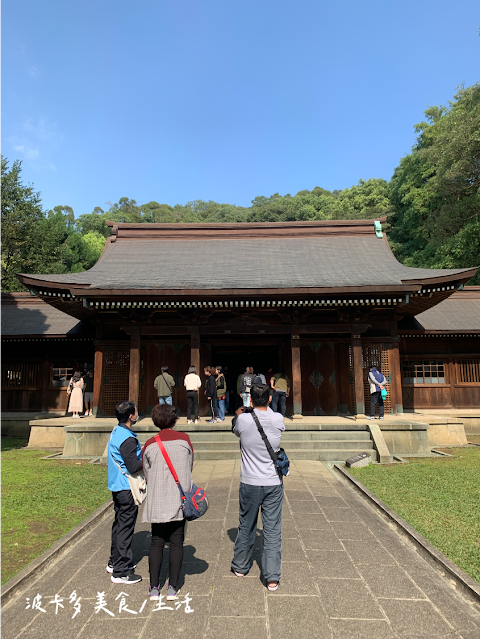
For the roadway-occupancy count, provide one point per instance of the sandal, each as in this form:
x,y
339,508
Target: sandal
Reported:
x,y
237,574
273,585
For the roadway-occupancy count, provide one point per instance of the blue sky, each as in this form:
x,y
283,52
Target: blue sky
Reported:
x,y
218,100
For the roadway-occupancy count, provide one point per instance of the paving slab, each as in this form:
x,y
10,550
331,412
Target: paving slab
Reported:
x,y
346,573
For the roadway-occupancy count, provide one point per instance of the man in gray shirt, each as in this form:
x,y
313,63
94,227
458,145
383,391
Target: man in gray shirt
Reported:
x,y
260,487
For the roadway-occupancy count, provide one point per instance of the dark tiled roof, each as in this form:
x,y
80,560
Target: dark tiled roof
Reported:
x,y
453,314
278,262
22,316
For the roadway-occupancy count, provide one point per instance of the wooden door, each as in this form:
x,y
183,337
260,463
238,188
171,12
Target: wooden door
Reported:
x,y
319,378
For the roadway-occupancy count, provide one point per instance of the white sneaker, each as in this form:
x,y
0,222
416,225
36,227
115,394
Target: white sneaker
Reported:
x,y
189,421
126,579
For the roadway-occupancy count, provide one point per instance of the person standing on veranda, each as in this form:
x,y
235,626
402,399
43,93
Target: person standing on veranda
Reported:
x,y
75,390
246,382
281,390
211,392
192,384
88,397
164,384
221,393
377,383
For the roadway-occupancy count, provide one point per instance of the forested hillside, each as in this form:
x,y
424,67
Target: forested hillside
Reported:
x,y
432,203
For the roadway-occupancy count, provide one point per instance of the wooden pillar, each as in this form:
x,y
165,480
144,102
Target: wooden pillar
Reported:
x,y
134,376
343,377
396,371
359,407
195,347
296,374
97,379
46,380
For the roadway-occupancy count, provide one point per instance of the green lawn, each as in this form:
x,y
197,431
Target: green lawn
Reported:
x,y
42,500
439,497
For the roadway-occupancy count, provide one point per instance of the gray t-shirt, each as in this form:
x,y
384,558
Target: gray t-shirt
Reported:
x,y
257,466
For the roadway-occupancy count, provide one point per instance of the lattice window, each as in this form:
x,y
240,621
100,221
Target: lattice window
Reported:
x,y
469,371
372,355
20,374
61,375
425,371
116,377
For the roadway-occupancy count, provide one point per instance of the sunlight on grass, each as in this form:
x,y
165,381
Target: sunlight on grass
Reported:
x,y
41,501
439,497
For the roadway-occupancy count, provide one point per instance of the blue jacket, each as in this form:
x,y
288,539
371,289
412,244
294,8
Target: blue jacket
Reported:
x,y
116,479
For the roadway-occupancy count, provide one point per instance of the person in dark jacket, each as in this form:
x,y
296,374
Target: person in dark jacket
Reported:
x,y
124,458
221,393
211,392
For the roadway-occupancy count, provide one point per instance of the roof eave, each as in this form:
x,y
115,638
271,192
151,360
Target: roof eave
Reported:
x,y
460,276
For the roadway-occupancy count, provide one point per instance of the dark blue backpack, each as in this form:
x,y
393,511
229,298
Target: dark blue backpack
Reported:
x,y
280,459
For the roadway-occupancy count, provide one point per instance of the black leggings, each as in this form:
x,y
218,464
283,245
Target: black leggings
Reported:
x,y
212,407
192,404
174,532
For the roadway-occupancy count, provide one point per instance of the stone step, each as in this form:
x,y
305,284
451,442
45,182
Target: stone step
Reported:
x,y
290,426
288,436
290,445
312,455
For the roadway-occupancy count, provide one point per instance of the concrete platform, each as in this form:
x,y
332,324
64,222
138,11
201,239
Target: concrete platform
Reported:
x,y
395,435
17,424
470,417
345,574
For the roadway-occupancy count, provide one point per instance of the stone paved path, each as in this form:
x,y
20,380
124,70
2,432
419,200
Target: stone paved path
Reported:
x,y
345,573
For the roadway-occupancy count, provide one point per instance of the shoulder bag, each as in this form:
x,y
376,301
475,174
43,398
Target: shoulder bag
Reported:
x,y
137,483
194,502
168,385
280,459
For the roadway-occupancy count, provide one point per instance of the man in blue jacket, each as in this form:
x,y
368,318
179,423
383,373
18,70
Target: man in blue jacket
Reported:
x,y
124,454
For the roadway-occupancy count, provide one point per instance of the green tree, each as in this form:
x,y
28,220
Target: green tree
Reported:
x,y
21,212
436,189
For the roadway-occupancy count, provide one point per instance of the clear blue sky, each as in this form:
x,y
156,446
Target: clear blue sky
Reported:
x,y
220,100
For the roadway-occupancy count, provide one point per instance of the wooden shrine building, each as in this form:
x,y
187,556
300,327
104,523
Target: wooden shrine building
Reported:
x,y
325,300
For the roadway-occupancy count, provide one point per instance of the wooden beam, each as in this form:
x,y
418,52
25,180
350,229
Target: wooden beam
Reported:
x,y
195,347
359,407
97,379
296,373
134,376
157,330
249,329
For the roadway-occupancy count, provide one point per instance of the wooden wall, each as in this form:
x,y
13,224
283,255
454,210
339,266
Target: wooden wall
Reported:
x,y
27,372
461,357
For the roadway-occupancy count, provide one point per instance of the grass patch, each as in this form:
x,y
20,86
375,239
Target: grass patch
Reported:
x,y
439,498
42,500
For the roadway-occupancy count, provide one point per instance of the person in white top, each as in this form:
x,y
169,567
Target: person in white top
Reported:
x,y
192,384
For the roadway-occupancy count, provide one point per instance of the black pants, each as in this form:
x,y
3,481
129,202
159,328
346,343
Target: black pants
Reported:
x,y
211,401
192,405
174,532
374,399
122,532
